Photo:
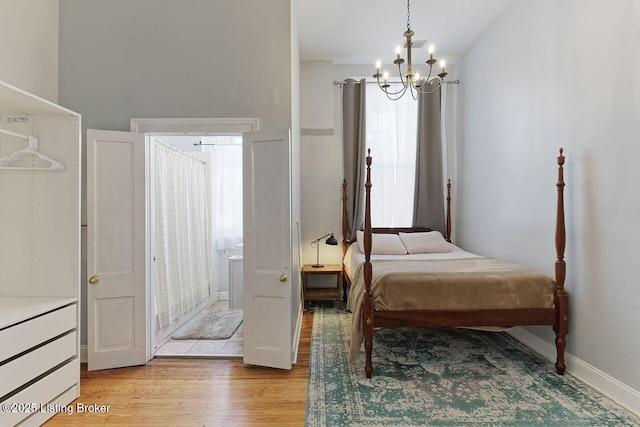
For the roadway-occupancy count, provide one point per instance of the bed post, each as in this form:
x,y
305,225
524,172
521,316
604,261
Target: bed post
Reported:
x,y
344,218
561,298
448,225
367,306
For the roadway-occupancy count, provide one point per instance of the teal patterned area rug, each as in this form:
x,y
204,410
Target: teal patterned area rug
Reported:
x,y
444,377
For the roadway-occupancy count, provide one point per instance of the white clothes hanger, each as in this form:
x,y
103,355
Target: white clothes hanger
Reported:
x,y
32,149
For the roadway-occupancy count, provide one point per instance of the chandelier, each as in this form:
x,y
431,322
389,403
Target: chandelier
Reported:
x,y
414,83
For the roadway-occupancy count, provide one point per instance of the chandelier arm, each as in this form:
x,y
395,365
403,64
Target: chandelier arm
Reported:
x,y
402,91
429,76
401,94
401,78
414,95
428,92
386,90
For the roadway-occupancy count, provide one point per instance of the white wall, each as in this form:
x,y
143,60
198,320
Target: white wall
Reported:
x,y
29,46
550,74
161,58
317,96
322,162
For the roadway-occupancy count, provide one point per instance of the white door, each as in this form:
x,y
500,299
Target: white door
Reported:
x,y
116,254
267,248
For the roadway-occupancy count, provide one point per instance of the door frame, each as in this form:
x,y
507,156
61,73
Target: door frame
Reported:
x,y
181,126
186,126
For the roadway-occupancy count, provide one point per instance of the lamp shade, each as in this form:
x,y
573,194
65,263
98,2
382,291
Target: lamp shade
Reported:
x,y
331,240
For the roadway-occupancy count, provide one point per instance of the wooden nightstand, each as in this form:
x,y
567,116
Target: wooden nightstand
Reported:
x,y
321,293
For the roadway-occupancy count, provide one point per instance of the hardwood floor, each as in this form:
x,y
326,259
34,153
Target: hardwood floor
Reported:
x,y
202,392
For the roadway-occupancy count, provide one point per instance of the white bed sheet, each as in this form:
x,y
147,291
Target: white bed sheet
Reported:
x,y
355,257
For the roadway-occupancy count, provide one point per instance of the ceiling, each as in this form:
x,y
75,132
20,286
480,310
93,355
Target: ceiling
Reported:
x,y
362,31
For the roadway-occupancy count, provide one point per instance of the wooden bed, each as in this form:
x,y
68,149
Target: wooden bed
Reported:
x,y
556,315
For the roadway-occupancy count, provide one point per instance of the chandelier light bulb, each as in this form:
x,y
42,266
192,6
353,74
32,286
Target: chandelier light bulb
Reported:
x,y
442,63
398,50
417,77
378,64
431,49
386,75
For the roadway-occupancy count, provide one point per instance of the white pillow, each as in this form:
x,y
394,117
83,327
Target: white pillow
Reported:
x,y
382,244
425,243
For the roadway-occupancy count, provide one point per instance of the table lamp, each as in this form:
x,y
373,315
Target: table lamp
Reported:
x,y
330,241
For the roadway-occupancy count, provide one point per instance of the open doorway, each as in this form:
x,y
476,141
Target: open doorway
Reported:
x,y
184,133
196,208
120,317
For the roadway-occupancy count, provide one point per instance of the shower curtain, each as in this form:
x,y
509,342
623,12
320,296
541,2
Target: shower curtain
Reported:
x,y
182,233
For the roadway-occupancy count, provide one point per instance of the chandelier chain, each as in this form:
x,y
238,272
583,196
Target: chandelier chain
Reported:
x,y
408,16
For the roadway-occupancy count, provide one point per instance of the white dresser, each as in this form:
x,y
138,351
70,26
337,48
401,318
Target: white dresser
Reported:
x,y
39,365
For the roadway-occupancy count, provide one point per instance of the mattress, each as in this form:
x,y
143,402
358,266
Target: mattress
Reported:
x,y
456,280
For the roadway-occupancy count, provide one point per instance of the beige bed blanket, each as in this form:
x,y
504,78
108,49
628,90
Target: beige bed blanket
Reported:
x,y
472,283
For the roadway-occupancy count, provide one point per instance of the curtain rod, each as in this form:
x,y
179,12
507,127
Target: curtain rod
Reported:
x,y
179,151
199,143
341,83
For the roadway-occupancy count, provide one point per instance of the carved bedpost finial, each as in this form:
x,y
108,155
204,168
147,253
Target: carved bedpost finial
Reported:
x,y
560,183
561,158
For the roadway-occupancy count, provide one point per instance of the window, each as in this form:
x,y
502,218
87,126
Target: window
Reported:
x,y
227,191
391,135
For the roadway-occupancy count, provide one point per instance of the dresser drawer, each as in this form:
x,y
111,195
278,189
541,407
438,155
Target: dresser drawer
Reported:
x,y
23,336
42,392
30,365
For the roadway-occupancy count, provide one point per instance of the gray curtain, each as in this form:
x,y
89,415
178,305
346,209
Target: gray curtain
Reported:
x,y
353,137
428,207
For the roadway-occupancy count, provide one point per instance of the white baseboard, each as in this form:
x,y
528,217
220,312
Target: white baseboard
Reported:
x,y
84,351
296,338
223,296
604,383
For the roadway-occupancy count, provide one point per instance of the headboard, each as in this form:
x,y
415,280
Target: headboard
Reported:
x,y
380,230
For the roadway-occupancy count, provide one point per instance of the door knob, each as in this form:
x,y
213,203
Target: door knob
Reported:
x,y
283,277
94,280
